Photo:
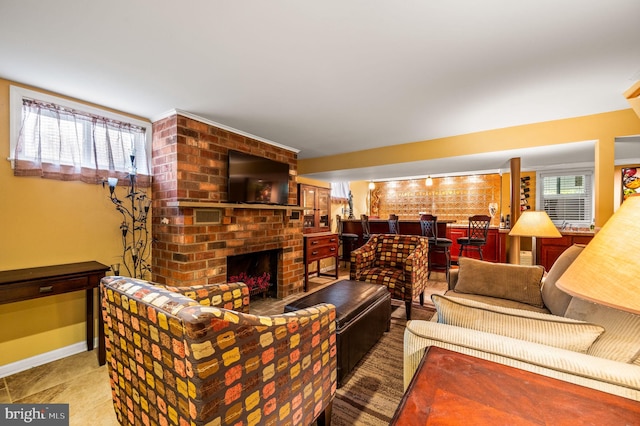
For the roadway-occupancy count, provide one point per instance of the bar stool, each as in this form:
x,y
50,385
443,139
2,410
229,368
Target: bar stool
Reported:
x,y
394,224
429,228
366,233
347,241
477,234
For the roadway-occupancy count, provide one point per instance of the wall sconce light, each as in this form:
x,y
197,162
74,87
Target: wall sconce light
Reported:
x,y
113,182
428,181
372,186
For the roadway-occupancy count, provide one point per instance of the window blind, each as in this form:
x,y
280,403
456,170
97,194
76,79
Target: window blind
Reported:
x,y
567,196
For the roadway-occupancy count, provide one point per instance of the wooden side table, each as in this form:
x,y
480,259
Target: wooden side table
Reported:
x,y
31,283
318,246
454,388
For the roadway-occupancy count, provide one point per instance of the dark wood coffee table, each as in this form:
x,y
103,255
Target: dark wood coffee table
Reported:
x,y
453,388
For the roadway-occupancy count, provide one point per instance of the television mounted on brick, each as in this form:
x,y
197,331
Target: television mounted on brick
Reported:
x,y
259,180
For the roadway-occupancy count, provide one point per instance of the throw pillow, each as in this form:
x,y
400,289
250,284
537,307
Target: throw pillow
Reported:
x,y
502,280
555,299
534,327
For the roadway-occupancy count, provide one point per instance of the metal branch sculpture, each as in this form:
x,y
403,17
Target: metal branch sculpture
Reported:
x,y
136,244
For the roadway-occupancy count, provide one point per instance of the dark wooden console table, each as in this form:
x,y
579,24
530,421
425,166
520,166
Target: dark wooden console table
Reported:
x,y
453,388
30,283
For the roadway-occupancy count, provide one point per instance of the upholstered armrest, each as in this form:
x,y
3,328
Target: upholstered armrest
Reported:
x,y
453,278
289,358
416,265
234,296
598,373
363,257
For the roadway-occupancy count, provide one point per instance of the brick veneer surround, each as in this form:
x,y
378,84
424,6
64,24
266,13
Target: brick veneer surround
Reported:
x,y
190,165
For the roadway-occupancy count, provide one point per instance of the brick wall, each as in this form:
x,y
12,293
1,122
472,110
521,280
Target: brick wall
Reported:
x,y
190,165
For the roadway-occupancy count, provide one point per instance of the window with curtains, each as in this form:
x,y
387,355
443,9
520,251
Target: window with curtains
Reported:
x,y
567,196
58,139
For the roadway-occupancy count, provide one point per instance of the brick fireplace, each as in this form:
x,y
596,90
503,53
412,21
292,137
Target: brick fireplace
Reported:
x,y
194,230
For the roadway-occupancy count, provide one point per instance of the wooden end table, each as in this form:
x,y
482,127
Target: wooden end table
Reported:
x,y
454,388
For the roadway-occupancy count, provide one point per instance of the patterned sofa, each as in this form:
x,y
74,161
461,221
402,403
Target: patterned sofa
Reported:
x,y
510,315
399,262
195,356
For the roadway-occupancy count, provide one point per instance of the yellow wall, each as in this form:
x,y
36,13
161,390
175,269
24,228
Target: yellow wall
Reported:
x,y
45,222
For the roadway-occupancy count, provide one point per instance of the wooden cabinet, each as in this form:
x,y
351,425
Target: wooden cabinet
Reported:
x,y
454,234
316,204
549,249
318,246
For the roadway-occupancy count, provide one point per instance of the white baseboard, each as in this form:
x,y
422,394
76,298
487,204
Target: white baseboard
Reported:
x,y
45,358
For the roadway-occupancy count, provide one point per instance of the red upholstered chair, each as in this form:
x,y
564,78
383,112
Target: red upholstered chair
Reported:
x,y
179,360
399,262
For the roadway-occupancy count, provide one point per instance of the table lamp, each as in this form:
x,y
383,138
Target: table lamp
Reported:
x,y
534,223
608,269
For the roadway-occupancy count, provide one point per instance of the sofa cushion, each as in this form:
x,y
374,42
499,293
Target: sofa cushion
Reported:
x,y
505,281
503,303
555,299
545,329
620,341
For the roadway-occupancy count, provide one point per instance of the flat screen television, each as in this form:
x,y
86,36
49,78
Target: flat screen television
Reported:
x,y
259,180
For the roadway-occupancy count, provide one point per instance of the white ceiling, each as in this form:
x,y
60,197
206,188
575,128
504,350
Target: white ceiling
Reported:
x,y
335,76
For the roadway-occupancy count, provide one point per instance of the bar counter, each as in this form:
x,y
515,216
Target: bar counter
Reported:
x,y
493,251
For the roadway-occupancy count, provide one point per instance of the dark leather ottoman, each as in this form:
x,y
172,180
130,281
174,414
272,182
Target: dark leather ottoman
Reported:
x,y
363,314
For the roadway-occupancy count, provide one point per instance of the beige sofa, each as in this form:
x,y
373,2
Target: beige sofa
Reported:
x,y
509,314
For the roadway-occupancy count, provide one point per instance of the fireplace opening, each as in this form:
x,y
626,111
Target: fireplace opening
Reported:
x,y
259,270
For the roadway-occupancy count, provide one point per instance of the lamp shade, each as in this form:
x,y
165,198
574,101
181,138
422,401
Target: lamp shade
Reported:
x,y
608,269
534,223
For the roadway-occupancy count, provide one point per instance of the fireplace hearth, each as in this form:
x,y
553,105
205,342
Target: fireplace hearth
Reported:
x,y
255,265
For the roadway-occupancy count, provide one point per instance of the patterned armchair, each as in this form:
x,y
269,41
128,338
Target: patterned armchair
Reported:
x,y
399,262
181,356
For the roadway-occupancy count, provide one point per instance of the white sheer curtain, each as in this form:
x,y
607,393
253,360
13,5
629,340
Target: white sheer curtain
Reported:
x,y
339,192
58,142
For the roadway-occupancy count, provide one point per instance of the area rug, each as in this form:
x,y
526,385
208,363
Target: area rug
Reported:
x,y
373,391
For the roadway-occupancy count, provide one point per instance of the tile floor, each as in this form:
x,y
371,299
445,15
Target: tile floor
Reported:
x,y
78,380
